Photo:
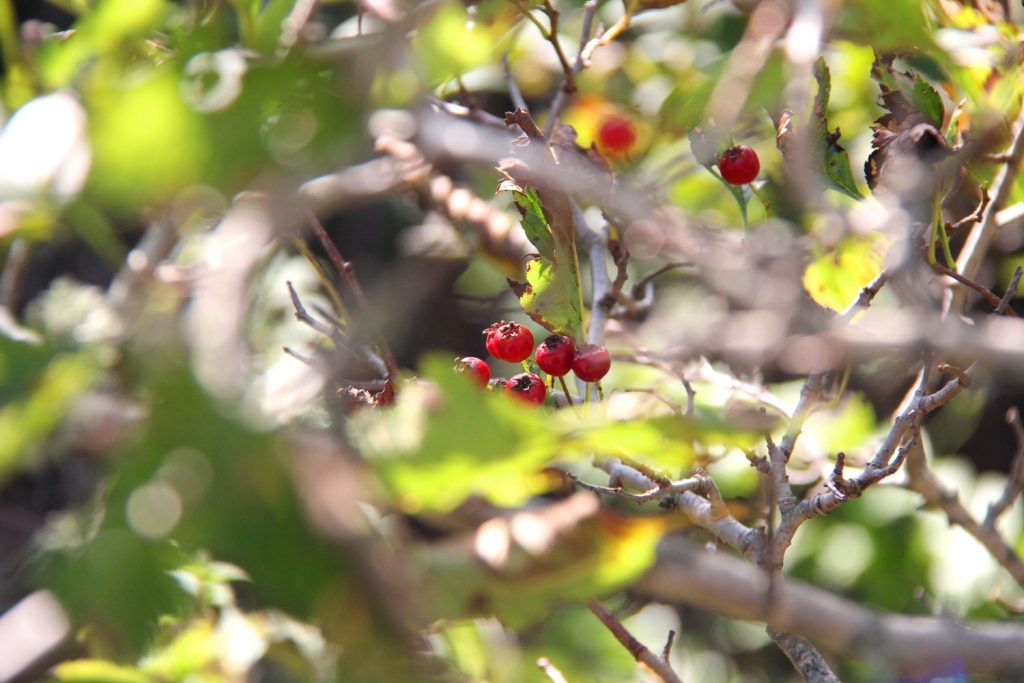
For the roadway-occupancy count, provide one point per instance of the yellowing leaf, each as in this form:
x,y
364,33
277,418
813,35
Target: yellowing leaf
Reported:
x,y
835,279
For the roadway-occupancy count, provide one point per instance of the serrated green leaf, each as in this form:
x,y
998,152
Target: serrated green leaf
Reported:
x,y
927,101
551,295
832,159
535,225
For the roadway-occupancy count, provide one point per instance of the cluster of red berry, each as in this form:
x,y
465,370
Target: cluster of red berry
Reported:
x,y
556,355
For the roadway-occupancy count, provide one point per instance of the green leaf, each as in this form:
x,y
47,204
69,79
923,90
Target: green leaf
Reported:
x,y
98,671
435,451
832,159
551,295
835,279
906,93
97,34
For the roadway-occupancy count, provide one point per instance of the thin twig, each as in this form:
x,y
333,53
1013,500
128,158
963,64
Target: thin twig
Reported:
x,y
347,272
589,9
1011,291
1015,483
303,316
513,90
978,287
567,68
635,648
971,218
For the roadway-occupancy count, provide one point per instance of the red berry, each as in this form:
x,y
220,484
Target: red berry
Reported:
x,y
527,387
739,165
478,370
591,362
554,355
616,135
509,342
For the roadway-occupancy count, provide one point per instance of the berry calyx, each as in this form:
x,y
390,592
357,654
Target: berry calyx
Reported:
x,y
527,387
739,165
509,342
554,355
478,370
591,362
616,135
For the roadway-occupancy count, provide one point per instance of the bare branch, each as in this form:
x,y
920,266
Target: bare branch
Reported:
x,y
638,650
513,90
727,586
805,657
983,233
589,9
922,480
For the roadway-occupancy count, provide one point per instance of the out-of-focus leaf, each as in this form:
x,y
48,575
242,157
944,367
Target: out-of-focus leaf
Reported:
x,y
832,159
835,279
684,107
551,295
98,671
448,47
147,143
97,230
25,424
189,653
434,452
887,25
596,557
20,366
98,33
846,428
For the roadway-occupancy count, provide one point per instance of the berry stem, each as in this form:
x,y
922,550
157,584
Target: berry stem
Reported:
x,y
587,399
600,392
526,366
565,388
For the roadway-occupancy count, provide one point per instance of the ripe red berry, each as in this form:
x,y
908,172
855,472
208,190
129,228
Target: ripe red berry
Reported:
x,y
509,342
616,135
739,165
478,370
591,362
527,387
554,355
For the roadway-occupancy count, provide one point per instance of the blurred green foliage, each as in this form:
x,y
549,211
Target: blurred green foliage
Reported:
x,y
204,556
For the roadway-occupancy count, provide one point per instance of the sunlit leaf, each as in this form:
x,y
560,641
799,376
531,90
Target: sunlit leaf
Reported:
x,y
147,143
835,279
447,45
468,442
98,33
98,671
25,424
551,295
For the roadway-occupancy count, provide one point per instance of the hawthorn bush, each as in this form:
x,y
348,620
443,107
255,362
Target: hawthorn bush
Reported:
x,y
283,282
